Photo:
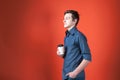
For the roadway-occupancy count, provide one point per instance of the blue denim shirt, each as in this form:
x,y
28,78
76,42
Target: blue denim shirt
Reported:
x,y
76,49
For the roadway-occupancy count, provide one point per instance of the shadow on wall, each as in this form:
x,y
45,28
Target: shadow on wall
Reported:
x,y
25,41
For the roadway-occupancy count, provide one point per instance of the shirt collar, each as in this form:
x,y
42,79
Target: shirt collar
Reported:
x,y
72,31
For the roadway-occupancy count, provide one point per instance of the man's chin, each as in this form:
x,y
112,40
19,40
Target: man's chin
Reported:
x,y
65,26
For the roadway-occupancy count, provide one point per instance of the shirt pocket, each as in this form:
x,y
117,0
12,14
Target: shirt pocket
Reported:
x,y
71,41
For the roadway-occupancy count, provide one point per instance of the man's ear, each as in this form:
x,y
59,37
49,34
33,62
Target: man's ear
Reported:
x,y
75,20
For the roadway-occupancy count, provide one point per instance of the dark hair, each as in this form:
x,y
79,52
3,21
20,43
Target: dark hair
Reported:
x,y
74,13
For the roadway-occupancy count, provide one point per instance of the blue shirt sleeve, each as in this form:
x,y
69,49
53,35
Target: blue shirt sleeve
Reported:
x,y
85,51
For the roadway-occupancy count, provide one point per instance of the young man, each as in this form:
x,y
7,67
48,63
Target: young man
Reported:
x,y
77,53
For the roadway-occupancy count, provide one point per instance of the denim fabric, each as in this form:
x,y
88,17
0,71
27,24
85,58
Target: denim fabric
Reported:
x,y
76,49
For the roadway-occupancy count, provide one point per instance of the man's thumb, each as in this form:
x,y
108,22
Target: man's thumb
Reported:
x,y
67,74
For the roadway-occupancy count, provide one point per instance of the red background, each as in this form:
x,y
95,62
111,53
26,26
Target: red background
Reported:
x,y
31,29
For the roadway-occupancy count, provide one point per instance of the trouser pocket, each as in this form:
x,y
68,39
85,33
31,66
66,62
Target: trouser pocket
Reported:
x,y
71,78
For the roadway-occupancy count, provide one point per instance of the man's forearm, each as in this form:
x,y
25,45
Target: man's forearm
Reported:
x,y
81,66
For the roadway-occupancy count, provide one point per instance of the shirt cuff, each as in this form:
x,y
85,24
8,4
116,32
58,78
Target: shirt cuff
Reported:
x,y
87,57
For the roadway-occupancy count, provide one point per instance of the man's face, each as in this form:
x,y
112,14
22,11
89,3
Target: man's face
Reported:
x,y
68,21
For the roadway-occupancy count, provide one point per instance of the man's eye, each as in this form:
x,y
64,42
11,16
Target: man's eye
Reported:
x,y
67,18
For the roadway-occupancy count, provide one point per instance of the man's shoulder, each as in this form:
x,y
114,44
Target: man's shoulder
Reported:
x,y
80,34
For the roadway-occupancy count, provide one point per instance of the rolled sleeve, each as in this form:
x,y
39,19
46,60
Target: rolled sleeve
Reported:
x,y
85,51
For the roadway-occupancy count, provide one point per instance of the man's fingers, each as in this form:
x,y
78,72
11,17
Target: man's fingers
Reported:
x,y
67,74
58,52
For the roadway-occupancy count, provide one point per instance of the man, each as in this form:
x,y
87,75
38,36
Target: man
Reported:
x,y
77,53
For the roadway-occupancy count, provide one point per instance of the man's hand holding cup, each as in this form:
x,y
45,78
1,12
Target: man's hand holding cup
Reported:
x,y
60,50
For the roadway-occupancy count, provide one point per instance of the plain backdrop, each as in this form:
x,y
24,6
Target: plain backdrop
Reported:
x,y
30,31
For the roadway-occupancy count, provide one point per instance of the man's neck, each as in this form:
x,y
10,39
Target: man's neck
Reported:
x,y
70,28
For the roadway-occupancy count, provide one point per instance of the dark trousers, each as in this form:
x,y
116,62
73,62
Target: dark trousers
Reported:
x,y
78,78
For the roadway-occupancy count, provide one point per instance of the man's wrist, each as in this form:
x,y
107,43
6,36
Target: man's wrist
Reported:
x,y
76,72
